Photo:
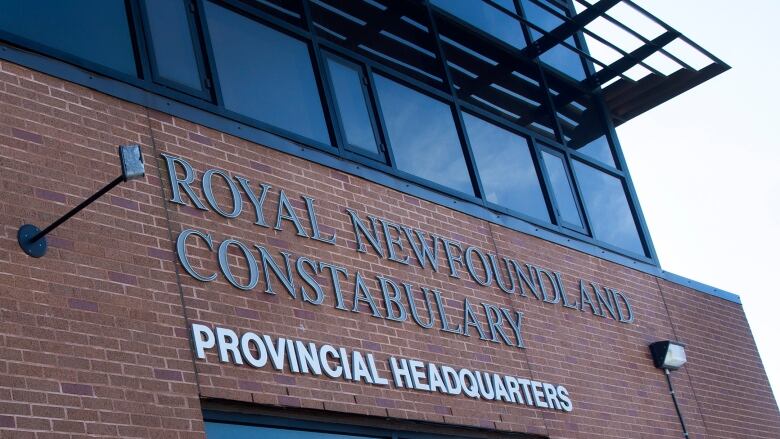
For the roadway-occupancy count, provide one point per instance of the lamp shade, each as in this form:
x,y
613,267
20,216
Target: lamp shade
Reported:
x,y
668,354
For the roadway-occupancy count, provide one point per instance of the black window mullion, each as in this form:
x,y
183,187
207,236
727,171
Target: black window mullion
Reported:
x,y
206,81
195,37
544,182
139,39
216,88
583,226
197,41
586,217
324,84
471,163
567,162
369,101
633,200
336,122
384,139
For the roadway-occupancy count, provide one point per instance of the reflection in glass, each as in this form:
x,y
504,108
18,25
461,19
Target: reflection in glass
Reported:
x,y
599,150
506,168
218,430
265,74
93,30
584,130
352,105
608,209
423,136
559,57
486,18
561,188
174,52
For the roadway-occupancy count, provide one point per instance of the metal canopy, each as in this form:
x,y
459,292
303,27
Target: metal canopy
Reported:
x,y
629,57
659,69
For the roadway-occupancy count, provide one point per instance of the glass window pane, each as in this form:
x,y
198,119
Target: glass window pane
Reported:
x,y
559,57
265,74
173,49
565,60
93,30
599,150
486,18
218,430
506,168
352,105
584,129
561,188
377,29
423,136
608,208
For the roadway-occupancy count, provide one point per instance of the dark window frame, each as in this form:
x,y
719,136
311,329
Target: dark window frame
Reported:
x,y
634,214
291,32
459,132
131,9
211,102
369,98
583,228
205,91
535,162
334,426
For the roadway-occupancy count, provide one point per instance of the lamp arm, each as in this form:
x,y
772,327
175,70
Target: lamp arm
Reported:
x,y
76,209
676,405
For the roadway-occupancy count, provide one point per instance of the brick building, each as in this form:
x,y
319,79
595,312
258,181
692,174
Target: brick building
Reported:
x,y
397,219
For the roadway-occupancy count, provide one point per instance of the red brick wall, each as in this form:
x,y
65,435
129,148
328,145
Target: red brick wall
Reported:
x,y
93,337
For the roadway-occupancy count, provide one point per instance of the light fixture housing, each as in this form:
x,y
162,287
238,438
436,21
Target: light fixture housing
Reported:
x,y
132,162
669,355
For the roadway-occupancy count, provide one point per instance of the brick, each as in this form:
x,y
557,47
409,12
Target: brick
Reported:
x,y
26,135
77,389
122,278
124,202
84,305
168,375
50,195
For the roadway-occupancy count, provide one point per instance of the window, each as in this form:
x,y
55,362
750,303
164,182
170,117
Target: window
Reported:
x,y
423,136
610,214
506,168
563,193
95,31
265,74
172,46
597,149
353,104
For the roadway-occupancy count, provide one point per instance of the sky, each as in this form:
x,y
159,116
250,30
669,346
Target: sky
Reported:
x,y
706,164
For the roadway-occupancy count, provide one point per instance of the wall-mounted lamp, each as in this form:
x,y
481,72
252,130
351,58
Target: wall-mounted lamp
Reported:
x,y
33,240
669,355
